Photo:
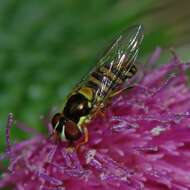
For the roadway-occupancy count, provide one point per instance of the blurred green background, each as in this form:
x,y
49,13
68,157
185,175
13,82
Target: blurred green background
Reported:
x,y
47,45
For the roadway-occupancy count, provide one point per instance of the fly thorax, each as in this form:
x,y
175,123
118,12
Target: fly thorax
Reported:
x,y
76,107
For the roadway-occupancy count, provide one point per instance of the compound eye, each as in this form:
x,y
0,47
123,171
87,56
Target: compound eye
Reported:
x,y
55,119
72,131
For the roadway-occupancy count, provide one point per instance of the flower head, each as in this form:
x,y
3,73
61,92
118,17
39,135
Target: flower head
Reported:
x,y
141,142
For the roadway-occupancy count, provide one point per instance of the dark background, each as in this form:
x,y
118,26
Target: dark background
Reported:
x,y
47,45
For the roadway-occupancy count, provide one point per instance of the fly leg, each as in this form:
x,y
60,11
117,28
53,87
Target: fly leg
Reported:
x,y
117,92
85,140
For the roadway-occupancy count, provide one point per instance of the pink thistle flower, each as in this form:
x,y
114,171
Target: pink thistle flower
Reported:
x,y
142,142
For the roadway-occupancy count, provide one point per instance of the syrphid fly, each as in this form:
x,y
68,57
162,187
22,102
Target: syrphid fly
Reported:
x,y
116,66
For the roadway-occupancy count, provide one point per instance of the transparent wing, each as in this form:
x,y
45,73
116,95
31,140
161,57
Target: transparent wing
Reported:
x,y
120,57
116,63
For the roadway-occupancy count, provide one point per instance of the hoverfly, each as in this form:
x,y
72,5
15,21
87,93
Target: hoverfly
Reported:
x,y
92,92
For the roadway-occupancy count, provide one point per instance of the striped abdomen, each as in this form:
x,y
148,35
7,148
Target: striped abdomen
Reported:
x,y
105,78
